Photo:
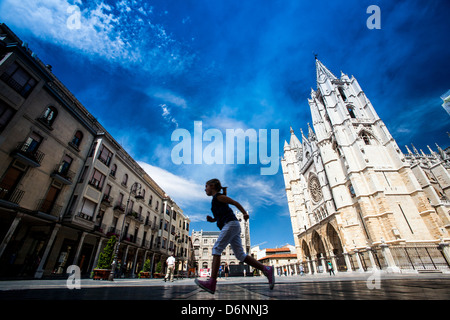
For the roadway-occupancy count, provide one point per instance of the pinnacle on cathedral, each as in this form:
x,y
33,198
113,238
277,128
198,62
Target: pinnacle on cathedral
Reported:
x,y
322,72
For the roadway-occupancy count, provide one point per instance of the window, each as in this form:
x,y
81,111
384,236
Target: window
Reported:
x,y
365,137
18,79
32,143
125,180
77,139
65,165
105,155
49,116
6,113
9,182
107,190
88,209
97,180
341,91
30,147
352,191
48,204
113,170
120,199
351,112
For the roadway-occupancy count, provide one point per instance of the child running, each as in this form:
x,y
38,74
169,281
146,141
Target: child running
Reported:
x,y
230,234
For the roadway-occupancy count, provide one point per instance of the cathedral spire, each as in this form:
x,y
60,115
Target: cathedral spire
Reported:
x,y
294,142
322,72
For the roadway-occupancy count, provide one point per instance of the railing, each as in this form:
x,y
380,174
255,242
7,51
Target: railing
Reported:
x,y
107,200
64,173
23,90
419,257
31,153
13,196
49,207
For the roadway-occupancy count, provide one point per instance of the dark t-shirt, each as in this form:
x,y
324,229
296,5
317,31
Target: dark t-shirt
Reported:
x,y
221,211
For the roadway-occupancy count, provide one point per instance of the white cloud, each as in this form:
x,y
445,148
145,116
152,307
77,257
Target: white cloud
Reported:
x,y
167,116
180,189
170,97
121,33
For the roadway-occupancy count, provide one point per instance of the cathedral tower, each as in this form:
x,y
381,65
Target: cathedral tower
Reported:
x,y
348,184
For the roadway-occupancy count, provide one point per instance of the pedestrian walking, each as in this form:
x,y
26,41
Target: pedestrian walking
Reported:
x,y
170,268
227,270
230,234
330,268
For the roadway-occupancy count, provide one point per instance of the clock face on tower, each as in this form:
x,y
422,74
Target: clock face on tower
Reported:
x,y
314,188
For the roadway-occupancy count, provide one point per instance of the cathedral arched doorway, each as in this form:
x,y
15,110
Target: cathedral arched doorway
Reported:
x,y
306,258
334,240
336,246
319,251
305,250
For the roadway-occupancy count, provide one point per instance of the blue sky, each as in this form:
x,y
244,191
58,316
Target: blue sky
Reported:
x,y
146,68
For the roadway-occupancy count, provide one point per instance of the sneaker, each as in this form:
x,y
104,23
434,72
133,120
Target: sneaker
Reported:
x,y
208,285
269,272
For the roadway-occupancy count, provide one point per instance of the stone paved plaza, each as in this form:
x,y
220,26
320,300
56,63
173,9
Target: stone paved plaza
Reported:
x,y
354,286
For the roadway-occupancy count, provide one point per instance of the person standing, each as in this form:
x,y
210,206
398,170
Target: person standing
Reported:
x,y
330,268
170,268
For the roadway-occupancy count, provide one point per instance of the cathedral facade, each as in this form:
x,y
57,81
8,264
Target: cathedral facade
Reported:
x,y
354,197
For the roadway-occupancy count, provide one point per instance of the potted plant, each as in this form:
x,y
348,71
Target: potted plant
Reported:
x,y
158,273
145,272
103,269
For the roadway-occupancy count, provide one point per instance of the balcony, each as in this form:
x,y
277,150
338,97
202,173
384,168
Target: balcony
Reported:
x,y
12,196
23,90
28,154
136,216
107,200
48,209
63,174
119,207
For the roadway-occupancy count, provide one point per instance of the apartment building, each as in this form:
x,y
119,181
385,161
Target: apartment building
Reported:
x,y
66,185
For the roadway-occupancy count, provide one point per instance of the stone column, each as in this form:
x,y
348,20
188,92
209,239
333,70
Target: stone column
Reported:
x,y
324,265
333,262
391,266
310,266
445,249
9,234
133,271
314,267
358,259
372,259
80,245
40,269
347,262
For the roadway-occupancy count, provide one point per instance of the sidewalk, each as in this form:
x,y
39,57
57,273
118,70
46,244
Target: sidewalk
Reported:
x,y
8,285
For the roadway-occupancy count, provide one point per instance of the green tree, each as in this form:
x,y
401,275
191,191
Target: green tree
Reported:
x,y
107,255
147,265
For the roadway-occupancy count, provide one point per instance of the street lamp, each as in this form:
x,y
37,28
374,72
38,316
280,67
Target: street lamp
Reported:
x,y
136,189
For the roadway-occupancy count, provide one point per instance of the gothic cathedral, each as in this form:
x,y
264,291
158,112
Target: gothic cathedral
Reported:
x,y
349,186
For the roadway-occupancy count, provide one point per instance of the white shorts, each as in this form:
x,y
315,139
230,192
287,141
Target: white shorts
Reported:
x,y
230,234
